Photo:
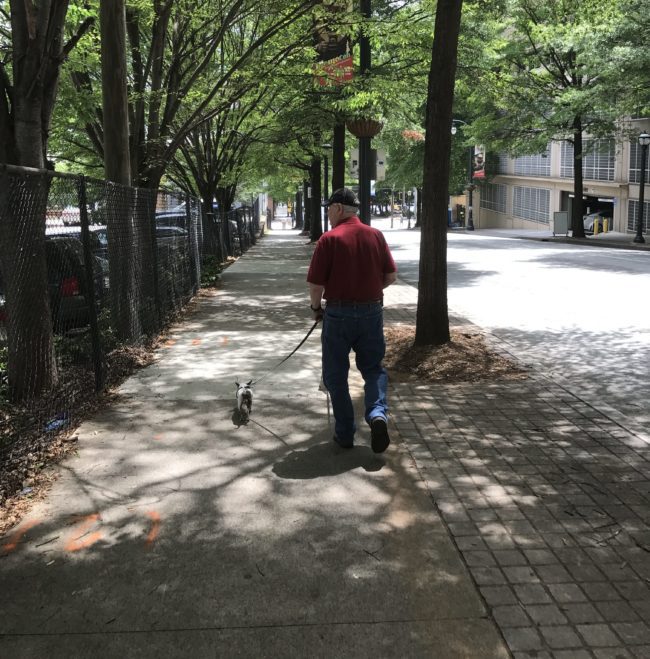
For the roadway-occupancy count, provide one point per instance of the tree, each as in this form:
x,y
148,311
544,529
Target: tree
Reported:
x,y
32,34
546,74
211,159
190,61
117,168
114,91
432,321
629,57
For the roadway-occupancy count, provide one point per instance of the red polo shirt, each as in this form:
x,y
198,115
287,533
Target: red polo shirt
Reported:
x,y
350,261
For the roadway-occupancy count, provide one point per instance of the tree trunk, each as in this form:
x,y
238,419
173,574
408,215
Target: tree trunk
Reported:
x,y
432,325
316,228
117,166
212,239
122,234
577,208
7,142
298,210
25,113
306,208
225,196
31,365
338,157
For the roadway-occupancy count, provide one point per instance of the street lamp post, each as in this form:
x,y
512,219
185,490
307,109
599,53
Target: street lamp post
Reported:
x,y
644,141
326,171
470,189
470,178
365,145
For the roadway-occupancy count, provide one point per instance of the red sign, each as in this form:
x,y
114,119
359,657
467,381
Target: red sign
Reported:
x,y
336,71
478,163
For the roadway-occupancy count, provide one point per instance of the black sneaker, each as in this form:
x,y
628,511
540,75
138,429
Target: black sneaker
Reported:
x,y
379,435
338,442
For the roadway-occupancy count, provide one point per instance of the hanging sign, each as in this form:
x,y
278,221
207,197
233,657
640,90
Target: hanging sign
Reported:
x,y
478,162
334,72
334,65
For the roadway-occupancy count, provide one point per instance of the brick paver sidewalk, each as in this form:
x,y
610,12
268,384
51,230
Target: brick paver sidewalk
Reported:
x,y
548,501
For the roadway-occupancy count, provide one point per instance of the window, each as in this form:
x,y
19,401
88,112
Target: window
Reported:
x,y
501,164
633,215
493,197
537,165
532,204
635,163
598,160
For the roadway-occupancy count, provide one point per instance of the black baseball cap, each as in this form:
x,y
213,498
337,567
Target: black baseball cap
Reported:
x,y
343,196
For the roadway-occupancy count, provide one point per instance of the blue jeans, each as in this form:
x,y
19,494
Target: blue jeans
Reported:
x,y
359,328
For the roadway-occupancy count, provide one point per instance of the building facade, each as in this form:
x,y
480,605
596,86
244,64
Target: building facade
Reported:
x,y
524,192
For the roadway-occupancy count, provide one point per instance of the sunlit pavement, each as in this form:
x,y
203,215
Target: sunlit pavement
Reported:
x,y
580,314
544,487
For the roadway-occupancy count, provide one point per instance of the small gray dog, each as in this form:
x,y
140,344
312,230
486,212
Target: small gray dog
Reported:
x,y
244,400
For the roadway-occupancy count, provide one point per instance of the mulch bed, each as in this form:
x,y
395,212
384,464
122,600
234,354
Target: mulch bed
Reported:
x,y
466,358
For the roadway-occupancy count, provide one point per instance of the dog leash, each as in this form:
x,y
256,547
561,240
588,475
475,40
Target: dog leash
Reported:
x,y
293,352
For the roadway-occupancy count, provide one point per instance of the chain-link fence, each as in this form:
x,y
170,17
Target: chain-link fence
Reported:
x,y
230,233
88,271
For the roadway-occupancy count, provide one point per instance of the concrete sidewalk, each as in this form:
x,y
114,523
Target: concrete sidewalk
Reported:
x,y
176,533
610,239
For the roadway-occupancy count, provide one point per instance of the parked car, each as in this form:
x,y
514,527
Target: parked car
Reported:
x,y
66,283
592,219
66,280
175,216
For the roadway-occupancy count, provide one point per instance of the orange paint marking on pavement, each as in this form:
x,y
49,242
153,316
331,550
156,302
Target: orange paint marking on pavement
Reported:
x,y
196,342
81,540
15,538
224,341
155,528
158,437
170,343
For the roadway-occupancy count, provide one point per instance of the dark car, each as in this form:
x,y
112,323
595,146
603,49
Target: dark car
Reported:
x,y
66,276
66,283
66,280
175,216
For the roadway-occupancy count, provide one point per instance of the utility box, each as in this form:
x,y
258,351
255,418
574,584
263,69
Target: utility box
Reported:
x,y
380,160
377,164
354,163
560,223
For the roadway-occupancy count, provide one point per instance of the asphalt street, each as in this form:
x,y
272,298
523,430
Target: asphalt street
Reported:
x,y
580,314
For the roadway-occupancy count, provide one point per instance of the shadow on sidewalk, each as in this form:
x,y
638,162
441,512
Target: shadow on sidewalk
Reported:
x,y
326,459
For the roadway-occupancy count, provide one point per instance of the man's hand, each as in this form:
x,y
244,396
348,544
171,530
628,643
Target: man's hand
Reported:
x,y
389,278
317,313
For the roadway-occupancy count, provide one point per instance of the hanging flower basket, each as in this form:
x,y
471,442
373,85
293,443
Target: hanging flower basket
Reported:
x,y
364,127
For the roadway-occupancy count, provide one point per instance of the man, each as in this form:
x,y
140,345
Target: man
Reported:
x,y
350,268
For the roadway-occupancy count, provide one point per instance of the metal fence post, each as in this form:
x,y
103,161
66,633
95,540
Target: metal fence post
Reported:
x,y
150,201
241,232
227,235
192,245
251,226
90,284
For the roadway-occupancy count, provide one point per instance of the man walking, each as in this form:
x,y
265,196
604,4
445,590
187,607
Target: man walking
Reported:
x,y
351,266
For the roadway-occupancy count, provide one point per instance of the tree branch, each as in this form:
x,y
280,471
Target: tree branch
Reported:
x,y
74,40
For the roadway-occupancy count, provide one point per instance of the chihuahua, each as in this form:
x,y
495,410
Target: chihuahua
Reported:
x,y
244,400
